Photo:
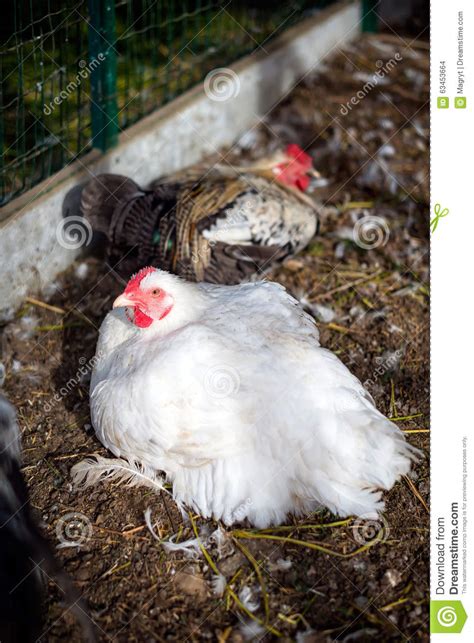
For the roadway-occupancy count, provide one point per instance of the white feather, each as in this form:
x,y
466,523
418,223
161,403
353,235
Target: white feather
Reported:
x,y
91,471
246,596
218,583
222,541
283,564
190,548
251,630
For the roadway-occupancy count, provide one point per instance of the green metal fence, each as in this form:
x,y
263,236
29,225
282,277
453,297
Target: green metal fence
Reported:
x,y
74,73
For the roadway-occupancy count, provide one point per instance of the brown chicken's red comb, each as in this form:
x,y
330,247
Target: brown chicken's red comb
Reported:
x,y
299,155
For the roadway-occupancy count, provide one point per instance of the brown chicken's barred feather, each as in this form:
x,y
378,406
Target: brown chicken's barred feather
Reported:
x,y
196,210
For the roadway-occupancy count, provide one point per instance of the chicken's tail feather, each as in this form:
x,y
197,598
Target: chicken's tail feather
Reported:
x,y
373,454
101,196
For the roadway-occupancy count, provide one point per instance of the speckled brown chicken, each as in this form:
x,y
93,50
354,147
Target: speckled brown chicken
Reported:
x,y
221,224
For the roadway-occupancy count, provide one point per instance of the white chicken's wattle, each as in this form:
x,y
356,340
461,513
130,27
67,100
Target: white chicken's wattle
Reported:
x,y
227,390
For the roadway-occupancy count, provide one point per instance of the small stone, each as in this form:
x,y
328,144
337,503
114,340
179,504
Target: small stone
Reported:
x,y
83,574
359,565
231,564
192,585
386,123
294,265
361,602
387,150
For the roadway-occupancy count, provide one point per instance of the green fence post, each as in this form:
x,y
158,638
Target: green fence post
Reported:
x,y
103,73
369,17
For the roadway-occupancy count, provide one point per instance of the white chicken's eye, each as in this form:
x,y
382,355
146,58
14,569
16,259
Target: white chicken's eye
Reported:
x,y
156,291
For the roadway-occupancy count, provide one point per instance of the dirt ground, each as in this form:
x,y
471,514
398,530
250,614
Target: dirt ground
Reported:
x,y
373,311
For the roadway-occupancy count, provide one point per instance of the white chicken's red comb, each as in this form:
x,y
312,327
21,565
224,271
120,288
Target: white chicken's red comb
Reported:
x,y
136,279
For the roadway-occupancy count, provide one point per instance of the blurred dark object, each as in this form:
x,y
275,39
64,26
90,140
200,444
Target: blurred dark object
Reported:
x,y
407,16
24,553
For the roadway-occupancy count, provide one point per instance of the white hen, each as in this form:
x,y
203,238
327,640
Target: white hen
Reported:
x,y
227,390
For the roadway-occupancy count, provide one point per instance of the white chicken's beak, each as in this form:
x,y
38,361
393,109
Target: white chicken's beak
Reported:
x,y
123,300
314,173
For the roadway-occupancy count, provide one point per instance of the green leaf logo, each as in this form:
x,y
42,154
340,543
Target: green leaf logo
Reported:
x,y
447,617
439,214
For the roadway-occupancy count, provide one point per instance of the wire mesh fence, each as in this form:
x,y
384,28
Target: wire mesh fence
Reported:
x,y
74,73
